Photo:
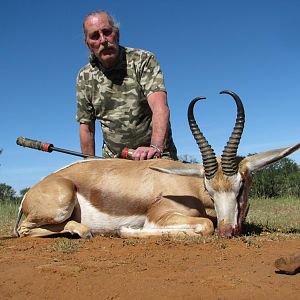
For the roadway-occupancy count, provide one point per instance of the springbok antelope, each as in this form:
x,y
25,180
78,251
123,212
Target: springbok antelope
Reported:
x,y
151,197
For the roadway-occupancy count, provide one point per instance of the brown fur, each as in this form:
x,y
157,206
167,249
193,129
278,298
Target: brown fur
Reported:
x,y
117,188
221,183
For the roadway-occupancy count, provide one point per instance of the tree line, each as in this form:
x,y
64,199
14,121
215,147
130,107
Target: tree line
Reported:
x,y
7,193
281,179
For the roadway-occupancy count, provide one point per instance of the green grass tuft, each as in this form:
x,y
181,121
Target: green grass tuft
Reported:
x,y
8,215
64,245
274,215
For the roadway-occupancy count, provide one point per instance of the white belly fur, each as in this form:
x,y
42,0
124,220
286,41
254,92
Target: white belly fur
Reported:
x,y
98,221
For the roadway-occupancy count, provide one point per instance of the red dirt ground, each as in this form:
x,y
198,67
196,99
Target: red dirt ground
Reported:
x,y
114,268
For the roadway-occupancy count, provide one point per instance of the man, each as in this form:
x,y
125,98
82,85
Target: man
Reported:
x,y
123,88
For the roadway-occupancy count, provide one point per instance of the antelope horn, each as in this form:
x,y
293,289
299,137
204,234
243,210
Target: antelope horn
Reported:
x,y
208,155
228,160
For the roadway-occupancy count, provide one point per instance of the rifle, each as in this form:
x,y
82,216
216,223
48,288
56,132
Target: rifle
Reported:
x,y
47,147
126,152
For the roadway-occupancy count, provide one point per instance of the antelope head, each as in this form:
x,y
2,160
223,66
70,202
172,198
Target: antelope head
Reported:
x,y
223,181
226,180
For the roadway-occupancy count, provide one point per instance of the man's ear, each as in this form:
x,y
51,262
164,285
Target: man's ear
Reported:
x,y
86,43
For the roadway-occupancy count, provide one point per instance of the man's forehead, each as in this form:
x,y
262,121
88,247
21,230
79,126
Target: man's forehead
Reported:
x,y
97,20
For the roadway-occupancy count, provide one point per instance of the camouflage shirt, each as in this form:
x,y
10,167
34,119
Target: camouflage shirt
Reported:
x,y
118,98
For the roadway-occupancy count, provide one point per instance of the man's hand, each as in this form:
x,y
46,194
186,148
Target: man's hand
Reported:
x,y
143,153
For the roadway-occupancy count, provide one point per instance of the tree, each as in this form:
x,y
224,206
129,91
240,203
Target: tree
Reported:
x,y
187,158
7,193
280,179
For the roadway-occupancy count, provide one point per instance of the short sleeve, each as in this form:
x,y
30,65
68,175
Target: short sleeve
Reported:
x,y
151,76
84,91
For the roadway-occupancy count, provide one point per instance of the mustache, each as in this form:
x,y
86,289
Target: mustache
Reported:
x,y
107,46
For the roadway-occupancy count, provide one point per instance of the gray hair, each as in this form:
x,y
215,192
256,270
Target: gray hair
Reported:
x,y
112,21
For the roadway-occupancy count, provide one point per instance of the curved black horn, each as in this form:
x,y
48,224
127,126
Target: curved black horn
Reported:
x,y
228,161
208,155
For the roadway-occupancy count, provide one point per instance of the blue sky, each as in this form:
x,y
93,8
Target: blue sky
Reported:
x,y
250,47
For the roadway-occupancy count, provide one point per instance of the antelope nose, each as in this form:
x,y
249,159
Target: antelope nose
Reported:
x,y
227,230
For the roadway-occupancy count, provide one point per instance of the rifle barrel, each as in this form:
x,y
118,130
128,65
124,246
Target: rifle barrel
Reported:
x,y
47,147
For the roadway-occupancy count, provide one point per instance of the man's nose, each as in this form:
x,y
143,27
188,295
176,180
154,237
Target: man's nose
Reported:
x,y
102,37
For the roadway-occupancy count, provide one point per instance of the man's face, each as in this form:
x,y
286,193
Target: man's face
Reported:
x,y
102,39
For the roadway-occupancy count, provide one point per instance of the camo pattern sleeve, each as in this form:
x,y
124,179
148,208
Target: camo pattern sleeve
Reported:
x,y
151,76
84,91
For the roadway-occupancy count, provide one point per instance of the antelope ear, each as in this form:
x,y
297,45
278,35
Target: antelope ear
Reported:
x,y
192,172
261,160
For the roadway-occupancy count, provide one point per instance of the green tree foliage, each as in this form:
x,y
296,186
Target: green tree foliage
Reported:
x,y
7,193
280,179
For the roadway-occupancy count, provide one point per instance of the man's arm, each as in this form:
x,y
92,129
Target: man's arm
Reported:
x,y
160,118
160,125
87,138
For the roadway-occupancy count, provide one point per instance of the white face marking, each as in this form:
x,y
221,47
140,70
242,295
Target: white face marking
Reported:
x,y
98,221
225,202
226,207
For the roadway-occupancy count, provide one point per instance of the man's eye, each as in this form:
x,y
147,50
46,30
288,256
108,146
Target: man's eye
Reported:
x,y
95,36
107,32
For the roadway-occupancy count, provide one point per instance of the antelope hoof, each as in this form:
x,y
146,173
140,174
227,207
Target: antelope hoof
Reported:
x,y
88,236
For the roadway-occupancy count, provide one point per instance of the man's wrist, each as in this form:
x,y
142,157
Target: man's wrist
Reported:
x,y
158,148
